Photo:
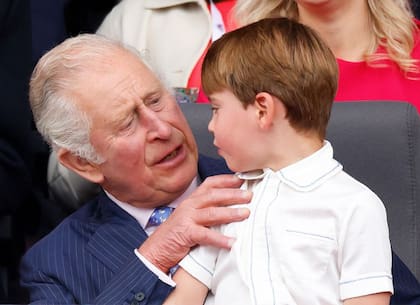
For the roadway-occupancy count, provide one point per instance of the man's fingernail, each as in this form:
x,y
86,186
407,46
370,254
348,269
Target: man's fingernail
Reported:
x,y
243,212
236,177
247,194
231,242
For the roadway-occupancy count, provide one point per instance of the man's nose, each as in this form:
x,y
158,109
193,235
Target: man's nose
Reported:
x,y
158,128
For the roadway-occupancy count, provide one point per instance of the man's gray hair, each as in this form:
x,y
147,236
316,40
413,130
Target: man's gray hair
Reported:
x,y
53,90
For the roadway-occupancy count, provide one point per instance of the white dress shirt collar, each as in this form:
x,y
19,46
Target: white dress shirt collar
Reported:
x,y
142,215
306,174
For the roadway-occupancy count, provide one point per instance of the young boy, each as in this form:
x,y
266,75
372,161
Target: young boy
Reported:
x,y
315,235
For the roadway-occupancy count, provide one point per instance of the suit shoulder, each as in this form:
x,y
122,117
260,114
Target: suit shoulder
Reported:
x,y
75,229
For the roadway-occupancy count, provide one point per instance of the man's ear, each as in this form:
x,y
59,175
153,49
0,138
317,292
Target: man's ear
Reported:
x,y
84,168
267,107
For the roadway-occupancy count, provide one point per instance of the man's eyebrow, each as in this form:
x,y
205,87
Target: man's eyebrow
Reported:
x,y
121,115
152,94
154,90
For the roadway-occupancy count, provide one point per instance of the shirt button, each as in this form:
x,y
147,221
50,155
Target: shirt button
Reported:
x,y
134,303
139,296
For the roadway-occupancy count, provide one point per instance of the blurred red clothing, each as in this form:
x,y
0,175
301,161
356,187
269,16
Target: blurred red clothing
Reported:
x,y
226,10
360,82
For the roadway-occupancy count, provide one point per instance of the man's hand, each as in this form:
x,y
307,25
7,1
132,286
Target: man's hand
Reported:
x,y
188,224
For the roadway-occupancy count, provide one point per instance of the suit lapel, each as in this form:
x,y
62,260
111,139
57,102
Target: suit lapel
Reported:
x,y
117,235
208,166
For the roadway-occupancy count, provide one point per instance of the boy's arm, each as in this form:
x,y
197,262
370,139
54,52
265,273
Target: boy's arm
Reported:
x,y
188,290
371,299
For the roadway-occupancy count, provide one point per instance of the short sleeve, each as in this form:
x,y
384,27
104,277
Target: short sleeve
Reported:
x,y
365,250
200,263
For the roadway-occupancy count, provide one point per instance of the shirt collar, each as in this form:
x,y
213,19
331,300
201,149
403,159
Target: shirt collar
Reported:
x,y
306,174
142,215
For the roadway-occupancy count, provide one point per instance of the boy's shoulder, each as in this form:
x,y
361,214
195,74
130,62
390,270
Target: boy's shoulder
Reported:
x,y
345,187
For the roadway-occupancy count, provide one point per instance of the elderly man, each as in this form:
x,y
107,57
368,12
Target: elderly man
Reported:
x,y
111,121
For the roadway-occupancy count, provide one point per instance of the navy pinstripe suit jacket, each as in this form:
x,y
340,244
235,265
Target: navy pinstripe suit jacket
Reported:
x,y
89,259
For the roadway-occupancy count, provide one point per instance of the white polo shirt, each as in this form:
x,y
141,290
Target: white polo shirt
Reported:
x,y
315,236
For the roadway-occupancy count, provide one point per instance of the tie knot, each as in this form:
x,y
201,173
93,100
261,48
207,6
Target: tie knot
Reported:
x,y
159,215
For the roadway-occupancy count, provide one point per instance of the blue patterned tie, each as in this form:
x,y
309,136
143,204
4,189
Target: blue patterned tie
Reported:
x,y
159,215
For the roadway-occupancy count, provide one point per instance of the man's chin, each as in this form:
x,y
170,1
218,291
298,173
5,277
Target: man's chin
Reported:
x,y
183,178
177,180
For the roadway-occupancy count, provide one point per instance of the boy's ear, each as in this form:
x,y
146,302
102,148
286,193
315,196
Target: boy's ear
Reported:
x,y
84,168
267,107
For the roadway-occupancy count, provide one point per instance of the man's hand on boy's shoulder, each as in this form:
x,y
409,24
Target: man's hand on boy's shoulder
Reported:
x,y
189,224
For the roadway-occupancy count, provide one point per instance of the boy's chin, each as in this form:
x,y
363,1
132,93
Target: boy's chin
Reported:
x,y
234,167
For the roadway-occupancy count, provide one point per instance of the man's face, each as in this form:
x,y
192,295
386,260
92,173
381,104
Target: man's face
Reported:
x,y
137,127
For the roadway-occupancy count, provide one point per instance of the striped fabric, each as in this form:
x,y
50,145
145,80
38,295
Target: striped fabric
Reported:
x,y
89,258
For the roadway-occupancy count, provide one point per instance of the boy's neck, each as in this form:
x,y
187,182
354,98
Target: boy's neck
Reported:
x,y
292,148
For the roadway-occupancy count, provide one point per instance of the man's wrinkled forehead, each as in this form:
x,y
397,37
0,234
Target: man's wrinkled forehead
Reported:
x,y
123,66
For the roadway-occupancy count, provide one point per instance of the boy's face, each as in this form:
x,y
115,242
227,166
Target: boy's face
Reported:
x,y
235,131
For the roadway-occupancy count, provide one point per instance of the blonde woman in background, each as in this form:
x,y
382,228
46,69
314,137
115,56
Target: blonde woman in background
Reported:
x,y
376,42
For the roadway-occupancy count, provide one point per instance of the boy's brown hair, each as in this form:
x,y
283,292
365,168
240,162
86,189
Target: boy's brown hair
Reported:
x,y
281,57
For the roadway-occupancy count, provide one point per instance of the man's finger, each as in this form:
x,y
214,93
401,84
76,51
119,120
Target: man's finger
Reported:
x,y
221,197
220,181
210,237
215,216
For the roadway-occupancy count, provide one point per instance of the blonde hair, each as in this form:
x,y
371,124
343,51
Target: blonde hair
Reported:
x,y
392,23
281,57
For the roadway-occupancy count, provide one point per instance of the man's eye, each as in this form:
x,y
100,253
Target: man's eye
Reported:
x,y
154,103
126,126
152,100
129,124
